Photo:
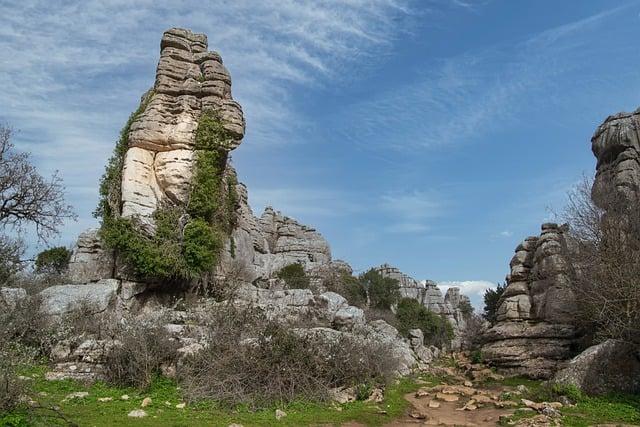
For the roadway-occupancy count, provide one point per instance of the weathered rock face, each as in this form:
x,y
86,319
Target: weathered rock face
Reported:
x,y
610,367
264,245
59,300
158,164
534,335
90,260
616,145
429,295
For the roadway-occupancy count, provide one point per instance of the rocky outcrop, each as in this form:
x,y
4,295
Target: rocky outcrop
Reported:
x,y
428,294
158,169
616,145
96,297
610,367
159,162
90,261
264,245
534,335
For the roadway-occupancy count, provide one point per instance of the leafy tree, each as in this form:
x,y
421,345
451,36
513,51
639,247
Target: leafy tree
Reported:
x,y
294,276
411,314
53,260
383,291
491,300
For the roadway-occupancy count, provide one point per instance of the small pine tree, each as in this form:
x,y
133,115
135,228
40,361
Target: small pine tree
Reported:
x,y
491,300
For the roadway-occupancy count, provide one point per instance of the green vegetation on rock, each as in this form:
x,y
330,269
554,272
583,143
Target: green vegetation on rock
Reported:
x,y
185,242
411,314
53,260
383,291
294,276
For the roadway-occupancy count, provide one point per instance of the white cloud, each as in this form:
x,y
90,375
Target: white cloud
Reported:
x,y
461,97
474,289
506,233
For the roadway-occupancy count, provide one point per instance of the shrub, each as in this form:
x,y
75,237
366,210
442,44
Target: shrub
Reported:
x,y
23,324
11,388
53,260
187,241
383,291
141,351
294,276
491,301
473,333
255,361
413,315
604,250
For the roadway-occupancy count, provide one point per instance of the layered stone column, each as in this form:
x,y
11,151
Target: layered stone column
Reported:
x,y
158,165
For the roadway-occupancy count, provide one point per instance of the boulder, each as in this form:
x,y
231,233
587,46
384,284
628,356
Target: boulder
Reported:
x,y
59,300
90,261
610,367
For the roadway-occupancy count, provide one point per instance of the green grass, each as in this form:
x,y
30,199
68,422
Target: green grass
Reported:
x,y
90,412
604,409
587,410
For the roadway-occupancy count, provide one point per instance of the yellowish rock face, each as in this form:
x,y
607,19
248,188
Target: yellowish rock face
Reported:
x,y
158,165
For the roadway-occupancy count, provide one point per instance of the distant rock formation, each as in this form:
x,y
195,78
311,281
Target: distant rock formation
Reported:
x,y
264,245
616,146
534,333
430,296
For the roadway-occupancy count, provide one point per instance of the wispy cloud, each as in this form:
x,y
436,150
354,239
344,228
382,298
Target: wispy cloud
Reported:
x,y
472,94
410,212
304,202
73,70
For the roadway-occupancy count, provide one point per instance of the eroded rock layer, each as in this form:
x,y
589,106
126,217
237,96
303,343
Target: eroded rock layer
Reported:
x,y
428,294
534,334
616,145
160,158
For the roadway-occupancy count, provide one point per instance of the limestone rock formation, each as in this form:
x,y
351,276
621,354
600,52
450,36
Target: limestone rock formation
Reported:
x,y
429,295
534,335
159,162
264,245
609,367
90,261
616,145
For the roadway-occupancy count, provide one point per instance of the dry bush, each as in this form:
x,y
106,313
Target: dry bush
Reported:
x,y
388,316
11,388
142,348
475,328
251,360
25,325
605,253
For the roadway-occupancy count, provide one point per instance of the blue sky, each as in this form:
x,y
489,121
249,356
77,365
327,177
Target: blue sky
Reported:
x,y
433,135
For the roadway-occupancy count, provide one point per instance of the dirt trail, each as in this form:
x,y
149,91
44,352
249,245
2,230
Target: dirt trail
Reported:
x,y
448,414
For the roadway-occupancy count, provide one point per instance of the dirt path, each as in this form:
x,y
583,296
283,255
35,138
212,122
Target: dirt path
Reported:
x,y
448,414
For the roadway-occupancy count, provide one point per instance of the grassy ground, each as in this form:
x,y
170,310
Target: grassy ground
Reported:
x,y
89,411
588,411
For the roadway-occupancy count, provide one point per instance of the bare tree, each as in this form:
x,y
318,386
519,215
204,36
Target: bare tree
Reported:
x,y
26,197
605,252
